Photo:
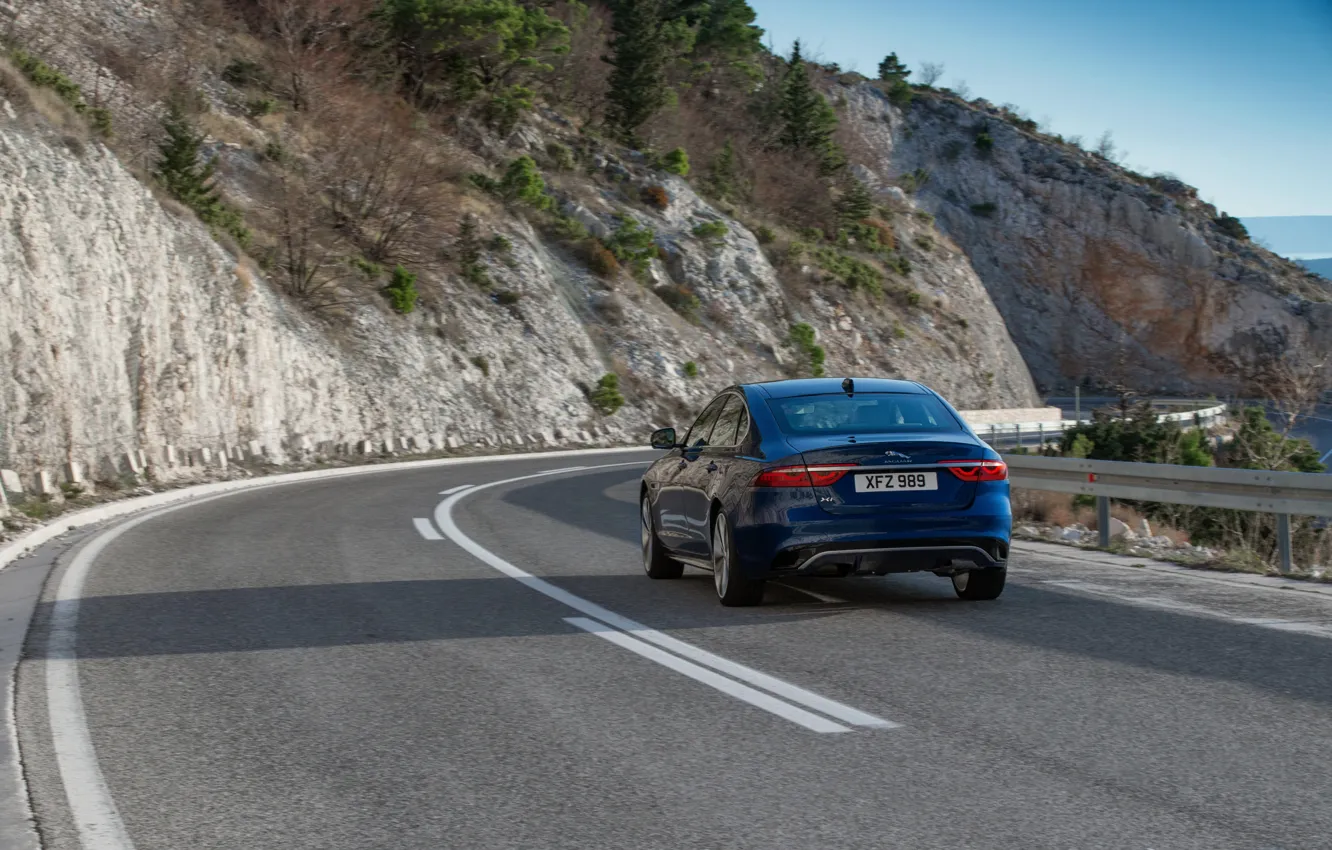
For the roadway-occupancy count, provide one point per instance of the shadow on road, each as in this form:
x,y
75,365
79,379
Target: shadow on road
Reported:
x,y
1286,663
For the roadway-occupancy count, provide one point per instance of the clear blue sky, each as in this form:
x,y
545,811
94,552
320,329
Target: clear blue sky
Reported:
x,y
1233,96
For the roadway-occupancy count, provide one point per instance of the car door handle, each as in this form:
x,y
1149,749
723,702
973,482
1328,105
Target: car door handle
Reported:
x,y
712,467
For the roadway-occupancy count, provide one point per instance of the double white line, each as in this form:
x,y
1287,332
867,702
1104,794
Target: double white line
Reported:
x,y
743,683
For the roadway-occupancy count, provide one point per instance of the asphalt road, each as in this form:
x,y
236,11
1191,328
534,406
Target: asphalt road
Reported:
x,y
326,666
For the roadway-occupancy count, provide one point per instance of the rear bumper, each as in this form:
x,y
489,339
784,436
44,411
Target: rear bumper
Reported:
x,y
887,557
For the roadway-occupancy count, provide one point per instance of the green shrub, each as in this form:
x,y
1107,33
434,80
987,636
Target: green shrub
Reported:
x,y
922,215
522,183
1231,226
560,156
899,94
372,271
633,244
985,210
568,228
244,73
43,75
913,181
508,297
984,142
711,231
656,197
261,106
899,332
480,362
803,338
505,106
471,264
607,397
952,149
100,119
853,273
924,242
900,264
401,290
681,299
485,183
499,244
676,162
690,369
274,151
765,235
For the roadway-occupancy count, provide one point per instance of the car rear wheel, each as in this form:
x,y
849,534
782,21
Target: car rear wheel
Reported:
x,y
980,584
655,562
733,589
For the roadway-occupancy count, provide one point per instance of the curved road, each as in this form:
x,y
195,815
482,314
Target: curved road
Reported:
x,y
374,663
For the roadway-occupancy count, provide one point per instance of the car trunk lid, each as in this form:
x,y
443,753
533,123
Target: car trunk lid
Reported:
x,y
891,472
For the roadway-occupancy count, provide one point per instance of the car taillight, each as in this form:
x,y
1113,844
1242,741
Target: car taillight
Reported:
x,y
801,476
977,470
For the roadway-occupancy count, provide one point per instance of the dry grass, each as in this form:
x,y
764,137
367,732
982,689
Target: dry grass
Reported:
x,y
1060,509
33,102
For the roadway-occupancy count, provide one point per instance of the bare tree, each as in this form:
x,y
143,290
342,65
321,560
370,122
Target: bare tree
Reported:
x,y
1107,150
310,37
930,72
387,183
304,249
961,89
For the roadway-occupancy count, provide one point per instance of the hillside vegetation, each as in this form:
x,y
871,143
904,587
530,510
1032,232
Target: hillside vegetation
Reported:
x,y
533,202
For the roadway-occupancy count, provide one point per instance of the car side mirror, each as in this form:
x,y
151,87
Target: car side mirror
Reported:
x,y
664,439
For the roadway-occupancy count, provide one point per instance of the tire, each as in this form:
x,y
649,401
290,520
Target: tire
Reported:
x,y
980,584
733,589
655,562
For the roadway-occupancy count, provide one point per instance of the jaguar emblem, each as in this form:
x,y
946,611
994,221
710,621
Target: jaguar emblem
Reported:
x,y
896,457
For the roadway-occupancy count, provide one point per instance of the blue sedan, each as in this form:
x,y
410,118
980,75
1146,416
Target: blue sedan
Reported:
x,y
855,476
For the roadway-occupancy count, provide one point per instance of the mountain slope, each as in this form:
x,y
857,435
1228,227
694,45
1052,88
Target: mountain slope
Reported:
x,y
1102,276
136,330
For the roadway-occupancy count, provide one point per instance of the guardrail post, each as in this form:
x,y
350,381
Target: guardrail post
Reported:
x,y
1040,430
1103,521
1283,543
1017,435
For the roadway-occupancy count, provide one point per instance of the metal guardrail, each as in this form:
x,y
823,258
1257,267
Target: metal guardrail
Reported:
x,y
1260,491
1040,431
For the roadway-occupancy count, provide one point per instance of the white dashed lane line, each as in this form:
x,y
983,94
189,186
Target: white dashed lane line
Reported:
x,y
784,699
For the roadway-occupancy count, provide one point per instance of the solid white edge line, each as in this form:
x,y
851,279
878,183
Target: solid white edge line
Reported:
x,y
112,510
452,490
786,690
426,529
90,803
730,687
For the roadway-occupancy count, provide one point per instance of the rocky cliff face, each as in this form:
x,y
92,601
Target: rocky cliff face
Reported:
x,y
1100,274
126,326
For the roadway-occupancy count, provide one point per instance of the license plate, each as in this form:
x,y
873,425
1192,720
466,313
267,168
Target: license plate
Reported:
x,y
896,482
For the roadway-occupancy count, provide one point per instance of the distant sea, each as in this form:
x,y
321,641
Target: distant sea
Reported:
x,y
1318,265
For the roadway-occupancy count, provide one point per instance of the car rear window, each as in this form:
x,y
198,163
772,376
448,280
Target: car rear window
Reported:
x,y
862,413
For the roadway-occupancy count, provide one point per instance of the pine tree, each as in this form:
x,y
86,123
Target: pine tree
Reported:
x,y
639,50
724,174
808,120
178,165
726,28
191,183
856,203
891,70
